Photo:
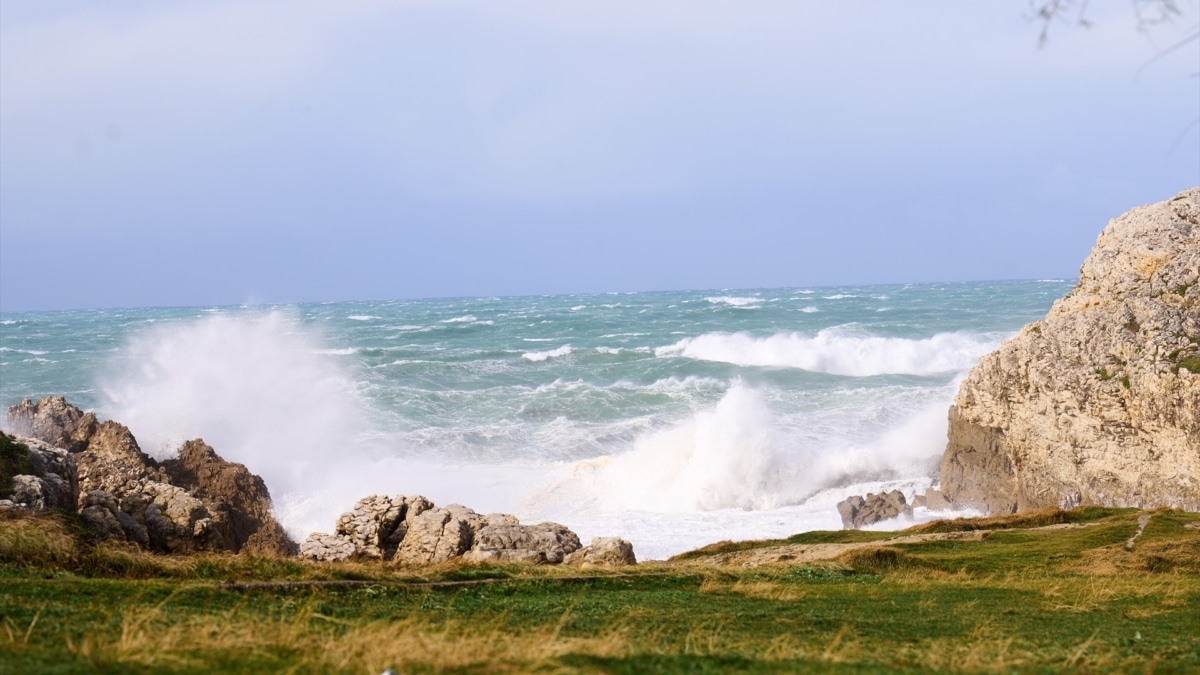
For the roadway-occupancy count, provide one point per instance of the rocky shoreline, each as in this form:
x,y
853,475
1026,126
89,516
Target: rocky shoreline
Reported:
x,y
59,457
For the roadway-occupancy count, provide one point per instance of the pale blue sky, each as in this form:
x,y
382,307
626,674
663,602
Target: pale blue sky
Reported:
x,y
220,152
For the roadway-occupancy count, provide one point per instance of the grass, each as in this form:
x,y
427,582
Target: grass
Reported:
x,y
1049,591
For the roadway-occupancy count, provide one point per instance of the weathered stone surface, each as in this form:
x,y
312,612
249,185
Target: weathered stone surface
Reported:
x,y
114,463
934,500
238,501
51,481
101,510
437,535
54,421
412,531
858,512
603,552
1098,403
326,547
502,538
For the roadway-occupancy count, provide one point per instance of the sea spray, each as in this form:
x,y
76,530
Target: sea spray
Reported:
x,y
674,420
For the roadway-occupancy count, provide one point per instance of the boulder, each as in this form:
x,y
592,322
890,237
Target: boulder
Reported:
x,y
603,552
1099,402
502,538
54,421
858,512
412,531
324,547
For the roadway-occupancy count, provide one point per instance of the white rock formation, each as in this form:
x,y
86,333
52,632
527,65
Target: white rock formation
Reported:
x,y
1099,403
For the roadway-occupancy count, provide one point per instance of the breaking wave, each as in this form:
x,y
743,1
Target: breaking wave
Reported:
x,y
836,352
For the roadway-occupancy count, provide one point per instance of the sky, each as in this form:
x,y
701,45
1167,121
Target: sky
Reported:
x,y
225,152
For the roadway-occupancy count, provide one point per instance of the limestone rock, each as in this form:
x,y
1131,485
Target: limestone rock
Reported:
x,y
54,421
412,531
102,512
502,538
238,501
603,552
326,547
49,479
114,463
437,535
858,512
1098,403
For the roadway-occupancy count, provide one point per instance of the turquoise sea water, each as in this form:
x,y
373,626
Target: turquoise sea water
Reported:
x,y
673,419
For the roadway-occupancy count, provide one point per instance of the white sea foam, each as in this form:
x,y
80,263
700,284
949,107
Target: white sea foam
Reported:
x,y
839,296
363,317
31,352
542,356
576,308
740,455
810,310
734,301
345,351
838,352
461,319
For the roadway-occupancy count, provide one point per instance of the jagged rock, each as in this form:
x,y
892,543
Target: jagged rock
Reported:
x,y
1098,403
603,552
858,512
412,531
49,479
437,535
934,500
114,463
502,538
238,501
101,511
54,421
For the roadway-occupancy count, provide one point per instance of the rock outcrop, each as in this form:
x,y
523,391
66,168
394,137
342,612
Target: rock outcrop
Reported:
x,y
603,552
1098,403
53,421
238,501
195,502
35,476
413,531
858,512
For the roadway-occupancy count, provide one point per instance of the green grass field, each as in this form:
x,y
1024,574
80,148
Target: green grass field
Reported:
x,y
1024,598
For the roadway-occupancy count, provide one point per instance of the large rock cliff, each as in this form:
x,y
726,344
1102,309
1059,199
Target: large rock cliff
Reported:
x,y
1098,403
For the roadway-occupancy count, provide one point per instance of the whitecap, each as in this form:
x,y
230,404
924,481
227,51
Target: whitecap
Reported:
x,y
839,296
733,301
467,318
542,356
838,352
363,317
810,310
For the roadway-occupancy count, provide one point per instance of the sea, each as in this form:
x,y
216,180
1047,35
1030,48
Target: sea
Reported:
x,y
671,419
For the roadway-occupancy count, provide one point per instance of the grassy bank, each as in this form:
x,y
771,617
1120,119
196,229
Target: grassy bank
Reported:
x,y
1049,592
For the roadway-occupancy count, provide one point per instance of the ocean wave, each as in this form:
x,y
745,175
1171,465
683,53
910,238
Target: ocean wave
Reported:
x,y
810,310
576,308
839,296
838,353
31,352
466,318
542,356
738,455
734,301
363,317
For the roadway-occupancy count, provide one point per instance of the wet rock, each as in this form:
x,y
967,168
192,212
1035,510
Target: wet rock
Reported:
x,y
858,512
114,463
